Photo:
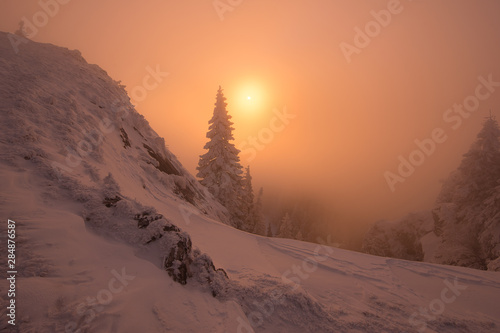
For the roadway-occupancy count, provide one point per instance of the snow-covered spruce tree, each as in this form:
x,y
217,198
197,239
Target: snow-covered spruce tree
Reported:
x,y
21,31
479,171
467,212
219,169
269,230
286,227
480,167
260,222
247,202
464,225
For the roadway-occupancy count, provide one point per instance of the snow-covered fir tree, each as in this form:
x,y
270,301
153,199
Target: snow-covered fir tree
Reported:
x,y
247,202
480,167
309,220
463,228
269,230
467,216
219,169
286,227
260,222
21,31
479,171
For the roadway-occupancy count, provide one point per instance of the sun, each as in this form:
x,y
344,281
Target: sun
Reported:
x,y
249,98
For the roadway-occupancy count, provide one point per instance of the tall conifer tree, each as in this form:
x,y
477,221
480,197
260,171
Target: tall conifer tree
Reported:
x,y
248,202
219,169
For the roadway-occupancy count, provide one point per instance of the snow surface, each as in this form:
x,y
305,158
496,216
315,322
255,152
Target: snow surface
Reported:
x,y
68,267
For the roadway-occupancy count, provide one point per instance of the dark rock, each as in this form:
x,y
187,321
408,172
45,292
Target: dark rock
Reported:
x,y
185,193
124,136
164,165
171,228
223,272
135,129
145,218
177,262
111,202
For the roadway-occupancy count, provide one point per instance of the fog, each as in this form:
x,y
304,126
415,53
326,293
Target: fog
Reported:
x,y
339,90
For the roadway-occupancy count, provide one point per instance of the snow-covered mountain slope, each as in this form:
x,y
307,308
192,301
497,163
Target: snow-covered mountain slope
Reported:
x,y
102,234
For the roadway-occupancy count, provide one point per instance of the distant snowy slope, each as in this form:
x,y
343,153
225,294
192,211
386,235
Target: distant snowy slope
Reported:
x,y
114,235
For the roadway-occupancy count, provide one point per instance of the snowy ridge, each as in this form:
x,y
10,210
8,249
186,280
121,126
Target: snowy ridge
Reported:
x,y
79,130
106,241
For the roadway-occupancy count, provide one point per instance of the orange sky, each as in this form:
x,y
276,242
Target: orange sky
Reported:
x,y
352,119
